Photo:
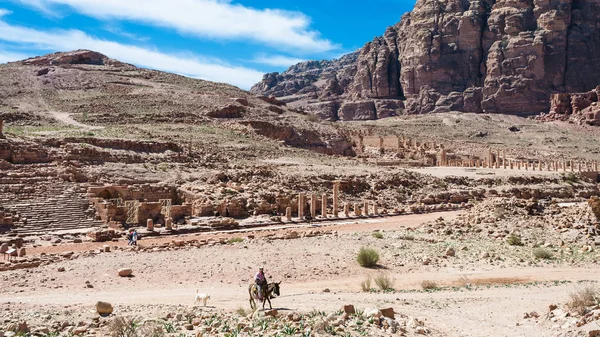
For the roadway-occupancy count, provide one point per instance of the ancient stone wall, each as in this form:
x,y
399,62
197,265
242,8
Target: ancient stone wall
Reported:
x,y
153,193
117,144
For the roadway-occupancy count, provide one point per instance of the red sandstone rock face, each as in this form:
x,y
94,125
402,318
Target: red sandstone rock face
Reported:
x,y
74,57
578,107
505,56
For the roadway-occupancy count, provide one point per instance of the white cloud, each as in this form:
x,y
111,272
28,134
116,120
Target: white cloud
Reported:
x,y
10,56
277,60
193,66
217,19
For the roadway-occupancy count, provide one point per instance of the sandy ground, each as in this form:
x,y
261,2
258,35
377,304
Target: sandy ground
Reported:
x,y
493,304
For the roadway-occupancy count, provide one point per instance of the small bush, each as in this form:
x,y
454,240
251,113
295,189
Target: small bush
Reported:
x,y
241,311
236,240
582,299
131,327
367,257
384,282
366,285
429,285
514,240
542,253
407,237
378,235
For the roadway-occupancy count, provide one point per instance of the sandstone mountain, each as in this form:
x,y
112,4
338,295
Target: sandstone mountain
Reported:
x,y
87,89
504,56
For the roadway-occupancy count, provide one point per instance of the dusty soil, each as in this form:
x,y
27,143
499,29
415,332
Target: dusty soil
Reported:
x,y
479,296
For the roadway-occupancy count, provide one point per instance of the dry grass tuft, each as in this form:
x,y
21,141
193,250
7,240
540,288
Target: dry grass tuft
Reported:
x,y
582,299
384,282
429,285
366,285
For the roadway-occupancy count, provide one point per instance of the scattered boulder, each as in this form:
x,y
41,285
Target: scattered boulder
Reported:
x,y
104,308
125,272
349,309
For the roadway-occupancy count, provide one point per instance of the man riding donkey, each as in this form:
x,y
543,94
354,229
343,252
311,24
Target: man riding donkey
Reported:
x,y
261,283
262,290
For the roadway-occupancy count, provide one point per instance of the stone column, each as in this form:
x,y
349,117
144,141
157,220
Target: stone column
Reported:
x,y
504,159
443,158
381,150
150,224
324,205
595,166
288,213
512,165
301,204
357,210
366,208
313,205
347,210
571,166
579,166
336,196
169,223
1,126
375,212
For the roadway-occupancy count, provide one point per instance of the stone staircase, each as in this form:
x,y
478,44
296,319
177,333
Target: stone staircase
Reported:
x,y
48,204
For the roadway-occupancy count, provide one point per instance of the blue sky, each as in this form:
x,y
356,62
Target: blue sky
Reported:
x,y
218,40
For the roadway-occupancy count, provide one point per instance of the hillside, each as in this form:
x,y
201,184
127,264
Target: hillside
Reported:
x,y
471,56
85,89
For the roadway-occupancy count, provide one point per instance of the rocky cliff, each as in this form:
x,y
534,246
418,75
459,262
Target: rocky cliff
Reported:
x,y
505,56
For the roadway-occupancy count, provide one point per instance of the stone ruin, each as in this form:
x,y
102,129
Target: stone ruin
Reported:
x,y
430,154
6,218
583,108
134,205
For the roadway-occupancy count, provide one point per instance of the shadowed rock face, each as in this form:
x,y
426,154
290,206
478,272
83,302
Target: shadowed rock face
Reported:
x,y
505,56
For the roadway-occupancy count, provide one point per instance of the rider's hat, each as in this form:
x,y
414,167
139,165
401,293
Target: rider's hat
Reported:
x,y
261,268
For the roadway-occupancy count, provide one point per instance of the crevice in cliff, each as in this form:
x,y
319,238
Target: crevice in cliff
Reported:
x,y
483,52
567,40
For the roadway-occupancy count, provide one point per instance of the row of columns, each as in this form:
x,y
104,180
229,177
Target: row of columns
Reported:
x,y
499,160
367,208
526,165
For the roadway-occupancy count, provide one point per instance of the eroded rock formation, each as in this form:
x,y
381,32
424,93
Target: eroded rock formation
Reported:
x,y
504,56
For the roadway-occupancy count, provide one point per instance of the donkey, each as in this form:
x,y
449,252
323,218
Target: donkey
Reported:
x,y
272,291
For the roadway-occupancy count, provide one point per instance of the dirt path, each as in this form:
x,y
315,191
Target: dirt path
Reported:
x,y
67,119
463,312
342,226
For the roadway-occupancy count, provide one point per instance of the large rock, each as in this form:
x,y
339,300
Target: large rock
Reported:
x,y
104,308
125,272
500,56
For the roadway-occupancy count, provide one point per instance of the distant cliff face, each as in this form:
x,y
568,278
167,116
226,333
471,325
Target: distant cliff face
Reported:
x,y
505,56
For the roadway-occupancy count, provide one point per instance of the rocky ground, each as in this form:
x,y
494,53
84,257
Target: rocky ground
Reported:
x,y
444,280
462,251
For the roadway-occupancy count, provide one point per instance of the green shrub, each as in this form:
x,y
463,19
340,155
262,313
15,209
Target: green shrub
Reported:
x,y
236,240
542,253
367,257
514,240
378,235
